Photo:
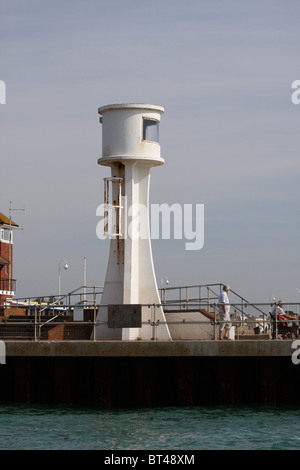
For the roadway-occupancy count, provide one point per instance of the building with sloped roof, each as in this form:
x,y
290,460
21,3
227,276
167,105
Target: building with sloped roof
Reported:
x,y
7,283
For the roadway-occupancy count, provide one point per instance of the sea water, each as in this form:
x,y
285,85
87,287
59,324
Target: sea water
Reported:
x,y
27,427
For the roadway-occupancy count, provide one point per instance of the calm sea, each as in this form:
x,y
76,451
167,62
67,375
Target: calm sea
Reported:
x,y
26,427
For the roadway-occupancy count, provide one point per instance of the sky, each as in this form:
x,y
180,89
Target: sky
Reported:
x,y
229,135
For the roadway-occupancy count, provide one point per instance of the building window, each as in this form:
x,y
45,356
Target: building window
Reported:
x,y
4,235
150,130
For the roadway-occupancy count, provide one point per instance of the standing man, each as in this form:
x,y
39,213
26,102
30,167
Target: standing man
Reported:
x,y
224,310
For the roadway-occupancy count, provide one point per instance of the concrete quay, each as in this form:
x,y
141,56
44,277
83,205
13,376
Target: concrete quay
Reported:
x,y
216,348
132,374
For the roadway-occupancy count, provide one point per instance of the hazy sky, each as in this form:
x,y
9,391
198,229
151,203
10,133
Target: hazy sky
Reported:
x,y
229,135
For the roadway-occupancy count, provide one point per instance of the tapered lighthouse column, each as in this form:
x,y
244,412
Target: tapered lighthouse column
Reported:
x,y
130,146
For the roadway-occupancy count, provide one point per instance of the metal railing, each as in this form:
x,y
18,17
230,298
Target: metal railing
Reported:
x,y
31,314
81,295
193,295
80,322
192,314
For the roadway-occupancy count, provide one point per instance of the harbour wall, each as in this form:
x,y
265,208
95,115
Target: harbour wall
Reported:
x,y
125,374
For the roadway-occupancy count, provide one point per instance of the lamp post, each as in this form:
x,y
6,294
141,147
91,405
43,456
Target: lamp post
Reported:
x,y
84,280
163,280
59,270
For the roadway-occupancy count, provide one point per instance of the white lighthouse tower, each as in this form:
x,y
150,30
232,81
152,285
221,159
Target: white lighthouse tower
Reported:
x,y
130,147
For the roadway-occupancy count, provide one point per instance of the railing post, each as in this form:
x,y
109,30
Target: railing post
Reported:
x,y
39,324
215,322
94,329
237,325
153,323
207,298
35,323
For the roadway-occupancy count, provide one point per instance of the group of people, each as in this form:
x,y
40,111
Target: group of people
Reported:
x,y
224,313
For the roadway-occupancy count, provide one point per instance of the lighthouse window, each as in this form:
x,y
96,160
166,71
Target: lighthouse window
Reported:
x,y
150,130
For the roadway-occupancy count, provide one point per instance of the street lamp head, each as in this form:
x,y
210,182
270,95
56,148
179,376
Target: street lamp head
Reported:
x,y
66,266
164,280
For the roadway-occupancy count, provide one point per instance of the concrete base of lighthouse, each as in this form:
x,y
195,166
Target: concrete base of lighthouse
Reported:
x,y
153,326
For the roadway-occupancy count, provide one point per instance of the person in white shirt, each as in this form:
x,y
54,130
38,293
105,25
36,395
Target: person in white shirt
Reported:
x,y
278,308
281,316
224,312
